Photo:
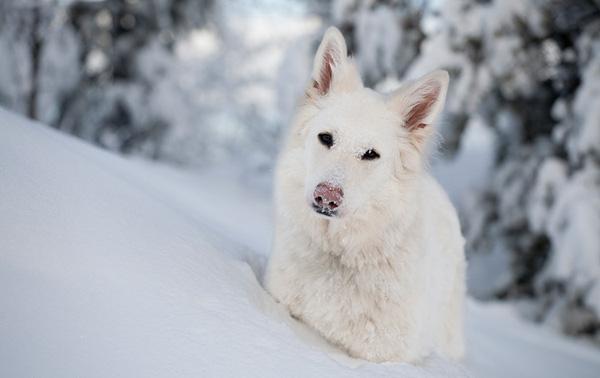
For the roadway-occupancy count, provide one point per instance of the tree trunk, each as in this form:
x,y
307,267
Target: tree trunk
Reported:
x,y
35,54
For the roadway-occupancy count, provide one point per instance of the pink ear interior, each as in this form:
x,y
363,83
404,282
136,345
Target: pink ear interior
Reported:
x,y
326,74
417,115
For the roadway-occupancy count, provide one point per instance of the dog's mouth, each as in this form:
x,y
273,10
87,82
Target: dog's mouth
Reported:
x,y
324,211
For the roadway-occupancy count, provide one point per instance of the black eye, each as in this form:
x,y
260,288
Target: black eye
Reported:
x,y
326,139
371,154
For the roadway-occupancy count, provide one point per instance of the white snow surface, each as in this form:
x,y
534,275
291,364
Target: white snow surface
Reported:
x,y
111,267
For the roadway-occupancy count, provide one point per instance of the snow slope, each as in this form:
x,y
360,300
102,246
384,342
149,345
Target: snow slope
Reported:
x,y
110,267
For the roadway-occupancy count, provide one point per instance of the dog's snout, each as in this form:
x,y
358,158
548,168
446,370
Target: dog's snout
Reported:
x,y
327,198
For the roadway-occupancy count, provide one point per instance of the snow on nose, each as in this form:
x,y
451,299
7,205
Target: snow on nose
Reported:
x,y
327,197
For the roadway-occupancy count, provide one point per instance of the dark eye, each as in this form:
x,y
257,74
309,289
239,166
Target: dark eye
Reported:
x,y
371,154
326,139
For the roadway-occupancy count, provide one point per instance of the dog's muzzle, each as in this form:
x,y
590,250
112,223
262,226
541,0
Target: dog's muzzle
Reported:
x,y
327,198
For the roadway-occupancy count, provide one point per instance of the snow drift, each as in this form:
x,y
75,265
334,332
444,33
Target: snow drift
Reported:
x,y
111,267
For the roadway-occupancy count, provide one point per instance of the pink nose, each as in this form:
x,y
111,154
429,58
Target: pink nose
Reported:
x,y
327,197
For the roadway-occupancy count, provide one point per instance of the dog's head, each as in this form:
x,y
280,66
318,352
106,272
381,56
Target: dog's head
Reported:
x,y
359,143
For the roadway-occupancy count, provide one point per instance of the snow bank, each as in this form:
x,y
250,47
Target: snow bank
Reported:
x,y
111,267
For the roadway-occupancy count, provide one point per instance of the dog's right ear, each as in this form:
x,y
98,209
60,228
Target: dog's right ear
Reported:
x,y
331,54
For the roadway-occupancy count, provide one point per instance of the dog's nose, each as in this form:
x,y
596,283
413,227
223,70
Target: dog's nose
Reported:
x,y
328,197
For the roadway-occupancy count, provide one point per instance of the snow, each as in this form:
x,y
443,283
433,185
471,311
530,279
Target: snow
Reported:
x,y
587,104
384,37
468,170
574,221
60,73
551,177
114,267
377,53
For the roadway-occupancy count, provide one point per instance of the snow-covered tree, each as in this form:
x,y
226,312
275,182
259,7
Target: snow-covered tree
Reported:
x,y
384,35
39,63
74,64
531,71
181,80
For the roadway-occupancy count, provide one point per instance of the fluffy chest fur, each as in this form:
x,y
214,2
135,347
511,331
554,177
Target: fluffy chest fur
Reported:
x,y
375,289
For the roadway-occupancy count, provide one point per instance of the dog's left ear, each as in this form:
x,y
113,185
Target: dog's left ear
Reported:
x,y
419,103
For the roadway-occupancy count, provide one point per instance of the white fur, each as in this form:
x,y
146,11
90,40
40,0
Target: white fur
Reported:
x,y
384,280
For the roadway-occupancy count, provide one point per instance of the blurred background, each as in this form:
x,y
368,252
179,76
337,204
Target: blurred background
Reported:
x,y
206,83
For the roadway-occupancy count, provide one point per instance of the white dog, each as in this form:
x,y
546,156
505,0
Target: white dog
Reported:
x,y
368,249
